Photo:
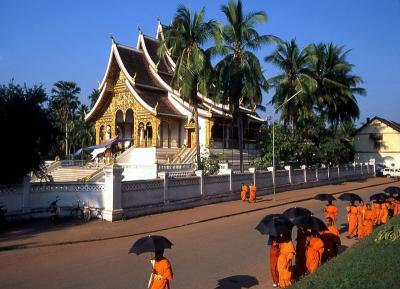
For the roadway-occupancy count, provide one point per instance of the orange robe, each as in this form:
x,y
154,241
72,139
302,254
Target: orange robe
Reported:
x,y
360,220
377,212
162,267
285,264
252,197
352,218
369,220
331,240
314,252
396,209
331,211
273,261
301,268
384,213
243,193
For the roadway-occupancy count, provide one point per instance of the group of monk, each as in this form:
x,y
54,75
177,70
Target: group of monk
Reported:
x,y
252,193
312,249
364,217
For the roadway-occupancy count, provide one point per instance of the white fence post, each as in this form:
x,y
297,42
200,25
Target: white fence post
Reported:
x,y
253,171
164,176
316,174
231,181
362,169
289,169
112,193
304,167
200,174
329,173
26,199
338,171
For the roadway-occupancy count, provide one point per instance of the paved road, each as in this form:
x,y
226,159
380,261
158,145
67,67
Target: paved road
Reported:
x,y
203,256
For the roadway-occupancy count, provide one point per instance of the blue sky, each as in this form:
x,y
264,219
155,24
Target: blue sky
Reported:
x,y
44,41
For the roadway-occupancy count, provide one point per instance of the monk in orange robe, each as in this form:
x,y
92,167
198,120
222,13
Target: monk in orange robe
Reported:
x,y
377,213
396,209
352,219
162,272
369,220
360,219
384,213
314,251
252,197
331,240
301,268
243,193
331,211
273,259
286,253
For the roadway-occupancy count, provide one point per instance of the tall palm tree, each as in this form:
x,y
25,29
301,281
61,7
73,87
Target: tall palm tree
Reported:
x,y
94,95
81,133
336,86
239,77
185,39
64,101
295,77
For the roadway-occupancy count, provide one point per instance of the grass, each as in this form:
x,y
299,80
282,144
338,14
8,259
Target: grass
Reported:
x,y
366,265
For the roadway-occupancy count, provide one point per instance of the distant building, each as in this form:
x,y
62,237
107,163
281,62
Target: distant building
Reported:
x,y
378,139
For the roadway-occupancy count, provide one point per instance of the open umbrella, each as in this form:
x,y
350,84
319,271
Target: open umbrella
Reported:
x,y
380,197
296,212
275,225
310,222
392,190
150,244
325,197
350,197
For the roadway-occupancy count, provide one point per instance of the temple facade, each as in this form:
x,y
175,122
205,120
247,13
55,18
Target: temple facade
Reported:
x,y
137,103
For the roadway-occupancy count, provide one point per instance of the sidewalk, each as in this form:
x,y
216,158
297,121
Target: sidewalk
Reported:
x,y
41,233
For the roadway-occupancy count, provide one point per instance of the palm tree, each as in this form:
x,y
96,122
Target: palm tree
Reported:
x,y
336,87
64,101
185,39
82,133
94,95
295,77
239,77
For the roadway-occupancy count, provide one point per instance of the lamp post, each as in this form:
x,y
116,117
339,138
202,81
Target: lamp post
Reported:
x,y
273,141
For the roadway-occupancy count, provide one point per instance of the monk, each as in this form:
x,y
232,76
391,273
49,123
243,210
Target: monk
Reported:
x,y
396,209
301,268
273,259
314,251
352,218
252,197
162,272
243,193
360,219
377,213
331,211
369,220
331,240
384,213
286,253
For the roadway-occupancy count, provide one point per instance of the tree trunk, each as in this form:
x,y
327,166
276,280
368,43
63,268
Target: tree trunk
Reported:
x,y
66,139
240,137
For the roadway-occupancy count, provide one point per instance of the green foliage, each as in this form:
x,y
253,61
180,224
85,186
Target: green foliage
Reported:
x,y
28,130
94,95
209,164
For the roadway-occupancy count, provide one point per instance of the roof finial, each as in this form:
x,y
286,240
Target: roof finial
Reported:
x,y
134,78
158,20
156,106
140,30
111,36
98,82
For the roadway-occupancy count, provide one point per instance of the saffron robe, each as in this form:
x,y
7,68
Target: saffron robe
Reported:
x,y
369,220
285,264
273,261
331,240
360,220
331,211
162,267
352,218
314,252
243,193
252,197
377,213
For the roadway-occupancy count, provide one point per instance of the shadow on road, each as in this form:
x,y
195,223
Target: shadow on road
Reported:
x,y
343,228
342,248
237,282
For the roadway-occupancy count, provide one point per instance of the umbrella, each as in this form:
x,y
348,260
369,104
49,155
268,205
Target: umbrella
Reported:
x,y
275,225
392,190
310,222
325,197
380,197
295,212
350,197
150,244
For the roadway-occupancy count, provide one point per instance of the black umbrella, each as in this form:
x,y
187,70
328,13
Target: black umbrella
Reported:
x,y
150,244
350,197
275,225
325,197
310,222
392,190
380,197
296,212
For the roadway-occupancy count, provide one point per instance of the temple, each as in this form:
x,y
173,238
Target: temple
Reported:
x,y
137,103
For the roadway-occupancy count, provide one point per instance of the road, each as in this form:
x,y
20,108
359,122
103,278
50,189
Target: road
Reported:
x,y
203,256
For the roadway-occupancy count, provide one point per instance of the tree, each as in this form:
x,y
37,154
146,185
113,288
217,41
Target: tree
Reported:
x,y
64,103
336,87
82,133
28,133
94,95
185,38
295,77
239,77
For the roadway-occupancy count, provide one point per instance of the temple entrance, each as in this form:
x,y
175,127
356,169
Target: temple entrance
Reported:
x,y
165,137
191,134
